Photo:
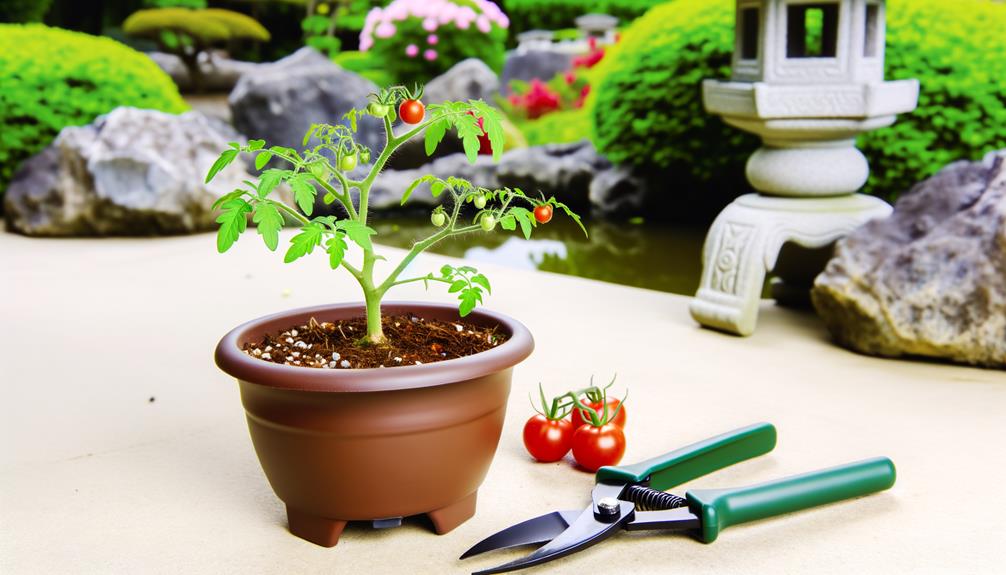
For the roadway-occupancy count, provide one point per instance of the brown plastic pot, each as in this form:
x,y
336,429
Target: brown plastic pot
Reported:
x,y
370,444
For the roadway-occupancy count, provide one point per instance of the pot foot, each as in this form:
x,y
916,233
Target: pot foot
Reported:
x,y
447,518
318,530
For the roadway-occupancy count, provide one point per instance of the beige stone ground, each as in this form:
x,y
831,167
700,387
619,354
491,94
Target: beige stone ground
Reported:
x,y
96,478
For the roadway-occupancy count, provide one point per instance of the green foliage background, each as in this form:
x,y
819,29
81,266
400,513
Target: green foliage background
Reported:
x,y
648,109
20,11
55,78
556,14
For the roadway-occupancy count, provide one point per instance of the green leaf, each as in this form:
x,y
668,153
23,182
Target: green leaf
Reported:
x,y
222,162
358,232
469,131
446,271
492,123
233,221
303,192
269,222
482,281
435,134
226,198
412,187
336,248
269,180
255,145
308,134
262,159
351,116
304,243
524,217
508,222
457,286
469,299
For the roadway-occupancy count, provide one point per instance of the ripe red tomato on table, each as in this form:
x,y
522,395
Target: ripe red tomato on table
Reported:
x,y
597,406
411,111
543,213
548,440
594,447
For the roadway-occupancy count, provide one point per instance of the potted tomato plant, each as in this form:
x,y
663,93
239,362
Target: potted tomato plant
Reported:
x,y
375,410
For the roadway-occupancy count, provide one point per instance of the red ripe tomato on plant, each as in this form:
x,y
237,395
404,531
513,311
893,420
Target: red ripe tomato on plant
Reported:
x,y
411,111
543,215
595,447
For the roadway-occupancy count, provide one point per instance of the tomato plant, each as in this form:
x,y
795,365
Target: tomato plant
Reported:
x,y
594,447
312,174
614,406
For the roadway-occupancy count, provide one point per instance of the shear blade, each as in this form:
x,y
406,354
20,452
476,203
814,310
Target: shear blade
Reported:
x,y
582,533
541,529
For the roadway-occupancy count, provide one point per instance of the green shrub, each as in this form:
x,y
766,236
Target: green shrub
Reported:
x,y
56,78
557,14
21,11
417,40
556,128
364,64
648,109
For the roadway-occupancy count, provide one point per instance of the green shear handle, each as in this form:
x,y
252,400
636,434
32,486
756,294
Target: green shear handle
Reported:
x,y
721,508
682,465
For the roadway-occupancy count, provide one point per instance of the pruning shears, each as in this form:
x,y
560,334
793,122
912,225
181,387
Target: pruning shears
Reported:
x,y
632,497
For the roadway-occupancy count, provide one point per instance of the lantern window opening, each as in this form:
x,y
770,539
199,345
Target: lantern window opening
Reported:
x,y
871,39
750,32
812,30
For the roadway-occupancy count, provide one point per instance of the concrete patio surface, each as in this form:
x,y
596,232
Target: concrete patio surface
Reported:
x,y
125,450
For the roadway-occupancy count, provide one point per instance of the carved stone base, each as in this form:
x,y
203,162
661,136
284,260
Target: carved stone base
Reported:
x,y
744,244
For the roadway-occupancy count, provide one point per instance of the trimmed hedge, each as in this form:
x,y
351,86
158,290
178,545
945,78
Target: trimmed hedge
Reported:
x,y
648,109
557,14
207,25
56,78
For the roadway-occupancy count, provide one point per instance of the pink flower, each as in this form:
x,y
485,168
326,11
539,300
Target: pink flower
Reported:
x,y
462,23
412,50
430,54
386,30
483,24
432,39
429,24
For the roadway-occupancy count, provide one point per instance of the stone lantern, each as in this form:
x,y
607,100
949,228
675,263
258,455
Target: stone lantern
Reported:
x,y
808,77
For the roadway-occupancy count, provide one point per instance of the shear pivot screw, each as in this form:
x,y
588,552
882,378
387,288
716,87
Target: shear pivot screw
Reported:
x,y
607,508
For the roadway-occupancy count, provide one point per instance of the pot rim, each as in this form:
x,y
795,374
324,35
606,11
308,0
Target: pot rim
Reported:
x,y
232,360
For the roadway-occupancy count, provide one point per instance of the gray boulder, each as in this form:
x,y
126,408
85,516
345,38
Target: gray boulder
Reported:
x,y
930,280
280,101
619,192
469,79
220,73
131,172
563,170
542,64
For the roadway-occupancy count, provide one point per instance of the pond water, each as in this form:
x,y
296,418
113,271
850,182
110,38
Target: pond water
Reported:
x,y
661,257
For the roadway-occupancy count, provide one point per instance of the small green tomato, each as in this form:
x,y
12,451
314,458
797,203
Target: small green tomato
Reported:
x,y
348,163
488,223
438,219
365,155
377,109
480,201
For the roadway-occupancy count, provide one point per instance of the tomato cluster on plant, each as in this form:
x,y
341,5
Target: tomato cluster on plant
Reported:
x,y
584,421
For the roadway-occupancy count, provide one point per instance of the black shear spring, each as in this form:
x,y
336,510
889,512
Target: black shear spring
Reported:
x,y
647,499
